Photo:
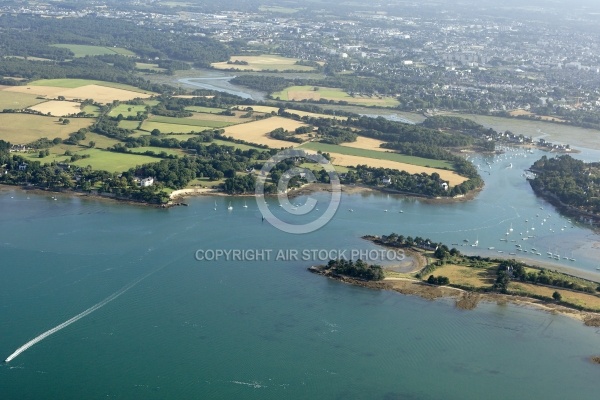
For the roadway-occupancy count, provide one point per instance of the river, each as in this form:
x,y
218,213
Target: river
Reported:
x,y
269,329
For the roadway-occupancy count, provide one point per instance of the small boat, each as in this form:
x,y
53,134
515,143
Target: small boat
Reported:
x,y
491,248
230,207
245,205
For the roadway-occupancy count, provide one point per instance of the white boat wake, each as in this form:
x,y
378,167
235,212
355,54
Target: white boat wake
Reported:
x,y
75,318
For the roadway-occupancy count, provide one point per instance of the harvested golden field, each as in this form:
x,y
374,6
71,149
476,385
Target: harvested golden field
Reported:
x,y
315,115
265,62
299,95
58,108
44,91
233,119
25,128
461,275
101,94
351,161
366,143
582,299
257,131
12,100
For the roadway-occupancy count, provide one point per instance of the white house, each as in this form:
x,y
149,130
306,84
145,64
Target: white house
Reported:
x,y
147,182
444,185
386,181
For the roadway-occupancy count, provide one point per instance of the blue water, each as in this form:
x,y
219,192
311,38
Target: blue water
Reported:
x,y
221,83
231,329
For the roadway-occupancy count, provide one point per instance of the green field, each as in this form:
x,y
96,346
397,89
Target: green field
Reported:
x,y
378,155
205,182
236,145
127,110
158,150
75,83
129,124
171,128
299,93
93,110
151,103
81,50
315,167
26,128
57,153
207,110
181,138
102,142
14,100
152,67
112,162
190,121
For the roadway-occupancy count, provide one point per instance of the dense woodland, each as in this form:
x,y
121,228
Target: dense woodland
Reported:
x,y
573,182
355,269
32,36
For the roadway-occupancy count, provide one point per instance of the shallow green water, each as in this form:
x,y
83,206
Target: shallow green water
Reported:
x,y
233,329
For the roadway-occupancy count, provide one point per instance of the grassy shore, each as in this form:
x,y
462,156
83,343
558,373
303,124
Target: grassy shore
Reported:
x,y
474,279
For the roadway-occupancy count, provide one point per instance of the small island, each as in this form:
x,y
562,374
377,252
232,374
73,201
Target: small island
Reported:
x,y
441,271
570,185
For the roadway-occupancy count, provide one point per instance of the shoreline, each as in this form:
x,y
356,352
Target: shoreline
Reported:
x,y
77,194
464,300
569,211
324,187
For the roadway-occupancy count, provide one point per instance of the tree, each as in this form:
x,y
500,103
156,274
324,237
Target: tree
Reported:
x,y
557,296
66,121
92,144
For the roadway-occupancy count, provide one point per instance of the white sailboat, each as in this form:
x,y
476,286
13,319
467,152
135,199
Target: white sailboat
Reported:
x,y
230,207
245,205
